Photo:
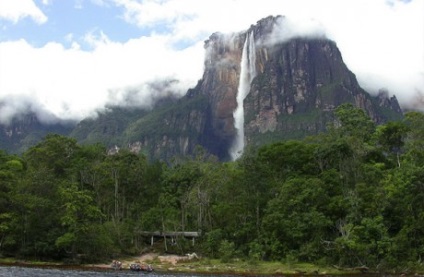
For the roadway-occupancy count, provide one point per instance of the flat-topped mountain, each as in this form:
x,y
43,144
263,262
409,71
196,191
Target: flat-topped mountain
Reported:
x,y
256,88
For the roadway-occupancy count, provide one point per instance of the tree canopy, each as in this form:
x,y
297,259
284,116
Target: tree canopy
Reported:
x,y
351,196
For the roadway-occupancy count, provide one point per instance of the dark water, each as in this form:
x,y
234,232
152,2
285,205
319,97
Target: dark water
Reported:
x,y
12,271
16,271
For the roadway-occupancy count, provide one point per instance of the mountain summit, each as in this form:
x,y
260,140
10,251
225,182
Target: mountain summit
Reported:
x,y
286,87
258,86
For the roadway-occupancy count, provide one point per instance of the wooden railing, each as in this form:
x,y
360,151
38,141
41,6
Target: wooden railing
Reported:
x,y
172,235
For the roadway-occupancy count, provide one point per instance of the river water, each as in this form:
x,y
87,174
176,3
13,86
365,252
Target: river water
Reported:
x,y
16,271
13,271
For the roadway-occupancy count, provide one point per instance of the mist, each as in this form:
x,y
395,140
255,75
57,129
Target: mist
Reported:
x,y
381,42
287,28
71,84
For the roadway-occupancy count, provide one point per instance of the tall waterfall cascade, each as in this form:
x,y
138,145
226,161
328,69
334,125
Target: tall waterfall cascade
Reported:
x,y
247,74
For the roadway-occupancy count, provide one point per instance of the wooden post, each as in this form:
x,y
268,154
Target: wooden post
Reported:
x,y
151,241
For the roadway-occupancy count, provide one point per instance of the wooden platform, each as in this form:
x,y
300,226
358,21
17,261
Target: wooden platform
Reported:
x,y
171,235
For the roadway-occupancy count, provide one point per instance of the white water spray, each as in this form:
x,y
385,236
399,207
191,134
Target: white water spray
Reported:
x,y
247,73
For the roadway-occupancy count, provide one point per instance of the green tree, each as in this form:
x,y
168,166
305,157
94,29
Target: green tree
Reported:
x,y
415,139
295,221
391,137
78,215
366,243
11,171
405,212
179,180
54,153
36,225
353,122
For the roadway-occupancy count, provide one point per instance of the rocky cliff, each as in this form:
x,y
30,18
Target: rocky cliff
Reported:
x,y
296,86
299,83
291,88
26,130
269,85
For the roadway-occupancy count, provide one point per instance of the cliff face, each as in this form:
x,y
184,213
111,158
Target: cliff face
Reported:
x,y
291,87
220,83
297,85
26,130
171,131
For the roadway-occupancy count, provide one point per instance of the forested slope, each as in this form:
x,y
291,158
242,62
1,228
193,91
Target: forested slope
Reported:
x,y
351,196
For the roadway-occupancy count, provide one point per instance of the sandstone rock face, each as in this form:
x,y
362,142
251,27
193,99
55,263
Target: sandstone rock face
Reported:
x,y
298,84
220,82
170,132
26,130
300,80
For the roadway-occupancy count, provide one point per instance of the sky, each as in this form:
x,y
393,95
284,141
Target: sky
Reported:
x,y
68,59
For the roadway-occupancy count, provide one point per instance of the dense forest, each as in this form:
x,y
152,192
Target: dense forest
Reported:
x,y
351,196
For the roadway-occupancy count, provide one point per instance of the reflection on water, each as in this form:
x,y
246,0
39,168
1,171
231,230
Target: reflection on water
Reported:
x,y
16,271
12,271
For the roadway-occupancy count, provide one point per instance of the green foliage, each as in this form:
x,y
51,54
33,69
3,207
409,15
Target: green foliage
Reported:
x,y
289,158
108,127
415,137
226,251
161,121
77,215
296,218
353,196
212,242
256,251
354,122
54,153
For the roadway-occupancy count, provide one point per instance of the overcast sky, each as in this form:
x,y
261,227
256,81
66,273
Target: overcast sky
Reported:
x,y
69,58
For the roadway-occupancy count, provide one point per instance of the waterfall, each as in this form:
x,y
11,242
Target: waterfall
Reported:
x,y
247,73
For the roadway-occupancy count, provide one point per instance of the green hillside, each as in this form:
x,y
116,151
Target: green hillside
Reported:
x,y
351,198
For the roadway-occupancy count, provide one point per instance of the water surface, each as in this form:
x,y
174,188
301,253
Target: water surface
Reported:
x,y
14,271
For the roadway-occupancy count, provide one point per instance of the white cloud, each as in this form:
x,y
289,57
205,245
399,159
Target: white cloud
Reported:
x,y
72,84
95,39
14,11
288,28
382,44
385,45
381,41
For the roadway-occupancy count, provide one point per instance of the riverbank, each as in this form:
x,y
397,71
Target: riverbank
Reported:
x,y
194,264
197,266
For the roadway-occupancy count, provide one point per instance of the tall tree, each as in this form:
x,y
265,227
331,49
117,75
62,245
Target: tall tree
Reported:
x,y
77,217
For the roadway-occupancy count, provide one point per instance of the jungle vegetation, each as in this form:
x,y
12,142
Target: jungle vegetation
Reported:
x,y
351,196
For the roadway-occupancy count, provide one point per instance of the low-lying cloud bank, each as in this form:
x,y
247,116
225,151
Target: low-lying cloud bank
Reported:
x,y
72,84
381,42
